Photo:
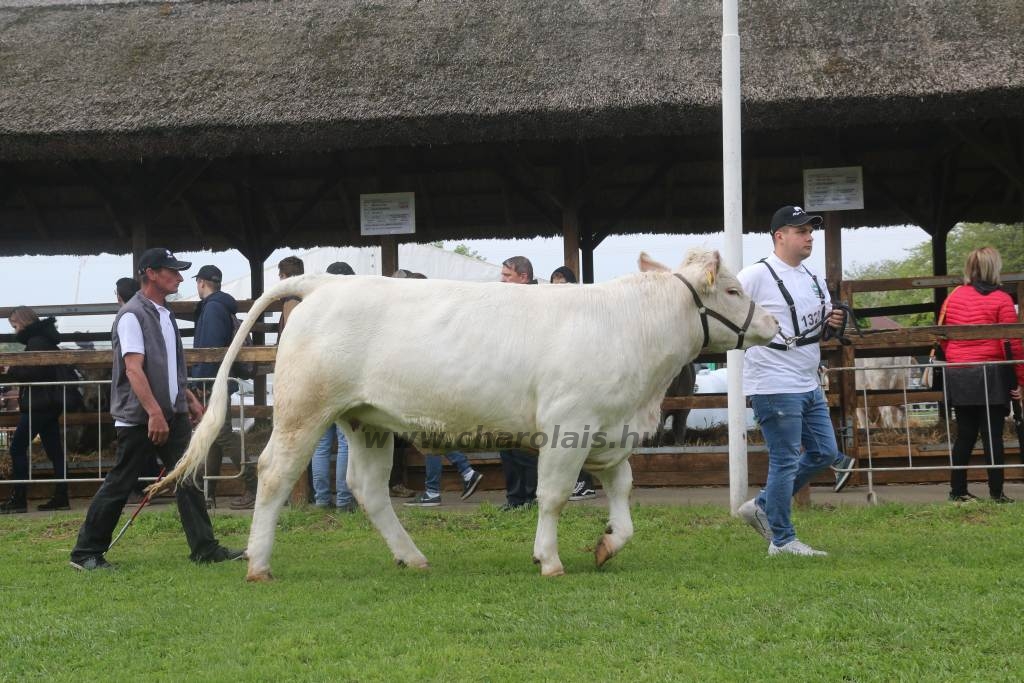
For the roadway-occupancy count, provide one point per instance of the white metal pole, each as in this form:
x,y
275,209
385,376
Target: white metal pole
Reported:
x,y
732,190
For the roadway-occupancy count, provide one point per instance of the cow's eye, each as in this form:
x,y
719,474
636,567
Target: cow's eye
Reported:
x,y
732,291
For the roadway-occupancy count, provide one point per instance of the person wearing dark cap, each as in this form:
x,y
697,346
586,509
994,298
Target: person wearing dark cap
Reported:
x,y
340,268
152,407
782,380
215,316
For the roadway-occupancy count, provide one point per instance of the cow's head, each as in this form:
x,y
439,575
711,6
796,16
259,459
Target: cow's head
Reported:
x,y
719,302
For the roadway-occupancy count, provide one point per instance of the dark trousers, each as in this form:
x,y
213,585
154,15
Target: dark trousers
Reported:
x,y
520,469
970,420
133,448
46,425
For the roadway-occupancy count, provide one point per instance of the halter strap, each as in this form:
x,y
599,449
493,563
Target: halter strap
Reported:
x,y
704,311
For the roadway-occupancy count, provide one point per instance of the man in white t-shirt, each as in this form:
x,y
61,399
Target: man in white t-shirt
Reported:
x,y
782,381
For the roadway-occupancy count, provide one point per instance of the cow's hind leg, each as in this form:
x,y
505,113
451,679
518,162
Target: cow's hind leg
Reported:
x,y
617,481
369,466
281,464
556,473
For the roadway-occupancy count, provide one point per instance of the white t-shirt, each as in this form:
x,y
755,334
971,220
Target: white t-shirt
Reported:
x,y
129,331
794,371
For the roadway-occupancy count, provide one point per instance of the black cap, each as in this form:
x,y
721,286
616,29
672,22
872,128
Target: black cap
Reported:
x,y
340,268
793,215
158,257
210,274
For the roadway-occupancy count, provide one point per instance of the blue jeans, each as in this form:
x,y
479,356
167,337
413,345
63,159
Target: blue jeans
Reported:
x,y
322,469
789,421
433,465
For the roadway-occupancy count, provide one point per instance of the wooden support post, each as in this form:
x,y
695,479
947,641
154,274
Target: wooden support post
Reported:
x,y
587,262
388,255
256,287
571,237
140,239
833,252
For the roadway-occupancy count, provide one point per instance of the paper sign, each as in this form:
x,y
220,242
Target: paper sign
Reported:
x,y
391,213
833,189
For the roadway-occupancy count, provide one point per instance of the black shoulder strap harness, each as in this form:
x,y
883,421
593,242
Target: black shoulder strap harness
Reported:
x,y
811,334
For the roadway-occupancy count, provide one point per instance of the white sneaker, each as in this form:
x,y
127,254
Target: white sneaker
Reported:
x,y
795,547
756,518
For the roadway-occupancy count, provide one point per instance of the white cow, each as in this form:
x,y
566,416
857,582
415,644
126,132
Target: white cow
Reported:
x,y
879,374
381,356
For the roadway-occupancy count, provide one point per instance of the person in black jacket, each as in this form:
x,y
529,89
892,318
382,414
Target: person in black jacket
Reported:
x,y
40,409
215,317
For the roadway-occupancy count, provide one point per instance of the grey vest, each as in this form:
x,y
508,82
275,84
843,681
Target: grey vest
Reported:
x,y
124,404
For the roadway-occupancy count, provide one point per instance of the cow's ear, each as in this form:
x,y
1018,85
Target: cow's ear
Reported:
x,y
649,265
711,263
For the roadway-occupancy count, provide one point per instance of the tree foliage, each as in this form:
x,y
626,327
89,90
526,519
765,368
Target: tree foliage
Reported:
x,y
461,249
1008,239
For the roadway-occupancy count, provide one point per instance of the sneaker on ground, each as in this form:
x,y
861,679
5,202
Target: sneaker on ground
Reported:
x,y
350,506
581,491
1002,498
469,486
753,515
843,478
91,563
425,500
795,547
54,504
221,554
246,502
402,491
965,498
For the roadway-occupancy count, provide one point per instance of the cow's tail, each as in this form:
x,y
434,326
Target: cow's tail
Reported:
x,y
190,464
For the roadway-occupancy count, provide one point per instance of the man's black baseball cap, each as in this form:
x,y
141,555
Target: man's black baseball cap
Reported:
x,y
158,257
793,215
210,274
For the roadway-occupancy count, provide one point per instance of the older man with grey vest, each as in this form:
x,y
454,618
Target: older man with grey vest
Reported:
x,y
153,411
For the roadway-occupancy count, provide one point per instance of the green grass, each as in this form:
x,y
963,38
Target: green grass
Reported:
x,y
909,593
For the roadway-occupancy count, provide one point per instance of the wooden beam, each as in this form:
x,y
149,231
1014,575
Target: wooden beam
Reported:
x,y
388,255
645,187
38,221
992,153
186,176
524,192
833,252
571,238
94,178
519,164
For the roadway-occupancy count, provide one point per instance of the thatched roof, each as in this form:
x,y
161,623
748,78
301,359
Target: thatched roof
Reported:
x,y
125,80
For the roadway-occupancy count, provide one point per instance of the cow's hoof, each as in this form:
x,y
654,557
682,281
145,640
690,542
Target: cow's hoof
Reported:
x,y
603,552
554,571
416,564
259,577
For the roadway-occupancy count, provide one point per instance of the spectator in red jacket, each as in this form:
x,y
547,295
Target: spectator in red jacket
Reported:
x,y
980,302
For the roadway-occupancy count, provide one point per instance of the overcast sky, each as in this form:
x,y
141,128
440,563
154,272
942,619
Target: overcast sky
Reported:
x,y
38,280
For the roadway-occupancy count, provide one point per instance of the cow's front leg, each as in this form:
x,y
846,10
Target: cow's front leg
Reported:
x,y
369,466
617,481
557,470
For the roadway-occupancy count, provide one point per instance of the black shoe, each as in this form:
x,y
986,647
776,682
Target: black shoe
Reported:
x,y
424,500
469,487
14,505
91,563
843,477
55,503
221,554
350,506
581,491
510,507
1002,498
965,498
